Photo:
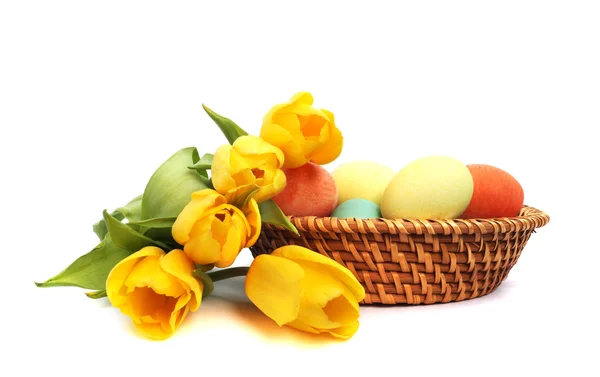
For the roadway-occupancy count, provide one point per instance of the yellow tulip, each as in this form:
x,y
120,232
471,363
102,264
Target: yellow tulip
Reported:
x,y
302,132
300,288
155,289
249,161
213,231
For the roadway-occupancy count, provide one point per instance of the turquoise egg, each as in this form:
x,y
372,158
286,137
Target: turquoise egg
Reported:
x,y
357,208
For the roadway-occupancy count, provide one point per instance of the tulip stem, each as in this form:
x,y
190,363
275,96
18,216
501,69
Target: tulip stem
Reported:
x,y
228,273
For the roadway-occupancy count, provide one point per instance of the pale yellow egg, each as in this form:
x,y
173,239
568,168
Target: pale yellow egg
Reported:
x,y
362,180
434,187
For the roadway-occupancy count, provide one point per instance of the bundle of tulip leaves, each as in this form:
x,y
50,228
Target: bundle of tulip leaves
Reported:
x,y
161,253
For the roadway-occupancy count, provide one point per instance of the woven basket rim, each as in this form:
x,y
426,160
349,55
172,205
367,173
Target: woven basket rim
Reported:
x,y
528,218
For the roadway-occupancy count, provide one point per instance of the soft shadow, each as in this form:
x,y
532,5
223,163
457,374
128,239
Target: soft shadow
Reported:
x,y
231,297
268,329
502,290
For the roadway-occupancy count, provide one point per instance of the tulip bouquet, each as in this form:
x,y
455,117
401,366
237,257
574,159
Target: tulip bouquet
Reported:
x,y
159,255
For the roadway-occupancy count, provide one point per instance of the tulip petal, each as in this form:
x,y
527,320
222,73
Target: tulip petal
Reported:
x,y
252,214
300,104
148,273
342,332
220,226
208,194
276,134
264,161
329,116
115,281
326,303
312,313
302,255
256,163
177,264
302,97
283,139
311,132
153,331
309,147
279,182
303,110
202,248
239,216
200,203
184,299
274,285
268,118
290,122
345,332
313,125
253,146
234,242
145,319
306,143
155,289
297,324
342,309
143,273
319,289
117,276
178,316
221,176
148,307
332,148
239,169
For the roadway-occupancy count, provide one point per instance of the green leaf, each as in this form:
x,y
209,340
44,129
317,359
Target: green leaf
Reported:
x,y
125,237
207,157
204,163
164,236
100,227
201,167
159,230
209,287
270,213
171,186
207,181
90,270
231,130
132,212
96,294
161,222
243,195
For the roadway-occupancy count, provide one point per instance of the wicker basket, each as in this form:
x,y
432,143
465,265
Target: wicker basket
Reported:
x,y
415,261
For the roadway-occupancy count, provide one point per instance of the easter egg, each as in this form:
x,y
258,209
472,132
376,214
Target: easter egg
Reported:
x,y
357,208
434,187
496,193
362,180
310,191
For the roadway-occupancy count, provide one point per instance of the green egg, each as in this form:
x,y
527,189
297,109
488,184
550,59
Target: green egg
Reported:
x,y
357,208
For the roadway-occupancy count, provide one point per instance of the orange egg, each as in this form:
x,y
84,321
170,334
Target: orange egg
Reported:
x,y
310,191
496,193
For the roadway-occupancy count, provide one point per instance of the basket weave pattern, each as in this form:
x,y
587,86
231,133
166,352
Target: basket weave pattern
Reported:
x,y
415,261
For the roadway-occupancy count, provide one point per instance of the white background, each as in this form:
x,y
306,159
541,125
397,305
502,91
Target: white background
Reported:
x,y
95,95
